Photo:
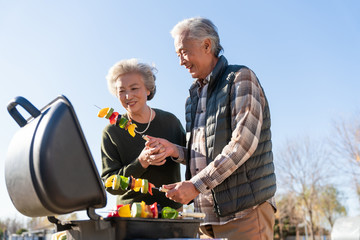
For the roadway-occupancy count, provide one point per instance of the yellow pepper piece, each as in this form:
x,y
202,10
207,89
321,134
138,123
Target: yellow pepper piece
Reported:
x,y
131,129
124,211
143,212
138,184
102,113
109,181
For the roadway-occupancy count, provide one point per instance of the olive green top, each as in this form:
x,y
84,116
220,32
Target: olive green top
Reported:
x,y
120,151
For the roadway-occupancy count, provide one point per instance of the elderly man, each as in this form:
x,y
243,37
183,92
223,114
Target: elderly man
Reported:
x,y
230,171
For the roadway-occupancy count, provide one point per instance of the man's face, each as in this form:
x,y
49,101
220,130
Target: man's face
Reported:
x,y
194,55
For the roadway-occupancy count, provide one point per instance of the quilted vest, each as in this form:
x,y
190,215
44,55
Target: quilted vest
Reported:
x,y
252,183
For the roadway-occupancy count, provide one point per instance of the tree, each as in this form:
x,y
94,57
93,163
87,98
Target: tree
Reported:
x,y
288,215
303,168
11,225
345,145
330,204
21,230
37,223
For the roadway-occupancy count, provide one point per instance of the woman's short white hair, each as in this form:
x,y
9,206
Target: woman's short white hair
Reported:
x,y
132,66
201,29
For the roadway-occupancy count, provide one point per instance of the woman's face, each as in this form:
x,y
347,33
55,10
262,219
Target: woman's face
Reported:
x,y
132,93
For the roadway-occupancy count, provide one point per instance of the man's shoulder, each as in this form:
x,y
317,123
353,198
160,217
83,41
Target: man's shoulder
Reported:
x,y
242,72
237,68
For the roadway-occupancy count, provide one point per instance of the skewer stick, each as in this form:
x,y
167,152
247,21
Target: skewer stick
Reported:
x,y
192,214
160,189
97,107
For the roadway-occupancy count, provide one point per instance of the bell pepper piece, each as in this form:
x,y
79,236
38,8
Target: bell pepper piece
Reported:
x,y
150,188
114,213
109,181
169,213
143,209
124,211
103,112
124,182
131,129
154,210
137,185
113,118
123,121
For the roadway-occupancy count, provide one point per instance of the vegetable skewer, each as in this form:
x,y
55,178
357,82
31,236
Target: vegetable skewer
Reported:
x,y
129,183
141,210
116,118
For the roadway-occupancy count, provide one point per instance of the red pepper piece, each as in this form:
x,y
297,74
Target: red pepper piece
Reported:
x,y
154,210
115,212
150,188
113,118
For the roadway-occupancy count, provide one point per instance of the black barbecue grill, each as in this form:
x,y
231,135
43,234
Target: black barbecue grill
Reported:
x,y
50,171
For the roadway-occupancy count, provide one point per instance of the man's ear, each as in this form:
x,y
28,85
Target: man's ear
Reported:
x,y
207,45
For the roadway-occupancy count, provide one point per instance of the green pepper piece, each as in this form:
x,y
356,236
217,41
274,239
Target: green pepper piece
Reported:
x,y
122,122
169,213
124,182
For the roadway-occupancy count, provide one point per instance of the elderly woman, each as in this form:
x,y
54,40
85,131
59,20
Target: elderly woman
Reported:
x,y
133,83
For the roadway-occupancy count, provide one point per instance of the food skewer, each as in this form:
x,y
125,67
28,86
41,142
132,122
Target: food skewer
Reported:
x,y
117,119
142,210
131,183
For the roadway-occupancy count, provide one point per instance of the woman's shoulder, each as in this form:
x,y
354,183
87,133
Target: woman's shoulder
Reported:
x,y
162,113
111,129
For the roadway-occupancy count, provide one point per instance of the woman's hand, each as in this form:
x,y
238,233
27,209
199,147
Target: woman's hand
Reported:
x,y
167,148
152,154
143,158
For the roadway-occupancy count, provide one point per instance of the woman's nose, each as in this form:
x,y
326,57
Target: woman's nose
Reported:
x,y
127,95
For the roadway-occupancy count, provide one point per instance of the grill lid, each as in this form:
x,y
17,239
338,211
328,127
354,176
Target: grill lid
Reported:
x,y
49,169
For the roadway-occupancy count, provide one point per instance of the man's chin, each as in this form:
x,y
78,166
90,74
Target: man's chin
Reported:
x,y
193,75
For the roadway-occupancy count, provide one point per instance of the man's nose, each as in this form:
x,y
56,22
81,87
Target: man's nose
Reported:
x,y
182,60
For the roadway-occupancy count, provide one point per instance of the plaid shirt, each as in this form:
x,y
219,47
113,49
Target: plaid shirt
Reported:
x,y
247,103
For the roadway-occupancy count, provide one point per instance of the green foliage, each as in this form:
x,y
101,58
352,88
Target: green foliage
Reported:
x,y
330,204
21,230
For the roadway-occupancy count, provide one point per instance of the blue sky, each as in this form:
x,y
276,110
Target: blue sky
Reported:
x,y
305,53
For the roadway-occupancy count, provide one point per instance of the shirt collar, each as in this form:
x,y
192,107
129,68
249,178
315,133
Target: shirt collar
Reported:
x,y
215,73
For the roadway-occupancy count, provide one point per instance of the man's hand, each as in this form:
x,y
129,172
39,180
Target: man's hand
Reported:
x,y
181,192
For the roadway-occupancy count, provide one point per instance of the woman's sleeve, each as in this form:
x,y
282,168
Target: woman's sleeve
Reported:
x,y
112,163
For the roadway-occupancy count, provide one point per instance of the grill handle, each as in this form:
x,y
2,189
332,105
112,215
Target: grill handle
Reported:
x,y
23,102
